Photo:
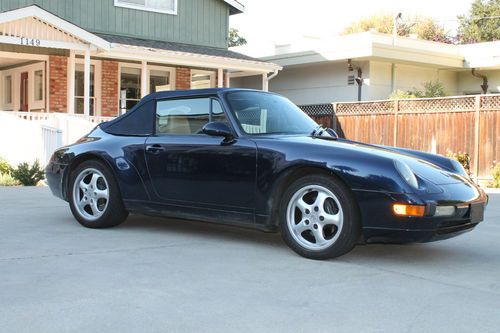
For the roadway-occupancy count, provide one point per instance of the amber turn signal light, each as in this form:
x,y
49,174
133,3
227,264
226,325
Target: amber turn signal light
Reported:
x,y
408,210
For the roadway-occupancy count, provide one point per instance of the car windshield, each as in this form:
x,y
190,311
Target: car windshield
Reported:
x,y
264,113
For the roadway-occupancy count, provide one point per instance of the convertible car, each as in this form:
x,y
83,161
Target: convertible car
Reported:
x,y
254,159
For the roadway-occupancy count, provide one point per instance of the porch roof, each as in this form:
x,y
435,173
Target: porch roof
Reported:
x,y
183,54
177,47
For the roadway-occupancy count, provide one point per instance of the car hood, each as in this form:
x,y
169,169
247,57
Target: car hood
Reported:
x,y
422,168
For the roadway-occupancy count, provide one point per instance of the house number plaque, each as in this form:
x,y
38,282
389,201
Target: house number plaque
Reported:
x,y
30,41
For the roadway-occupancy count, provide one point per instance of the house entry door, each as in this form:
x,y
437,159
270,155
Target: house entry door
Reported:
x,y
24,92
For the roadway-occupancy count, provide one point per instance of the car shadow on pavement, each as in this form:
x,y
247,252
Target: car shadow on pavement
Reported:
x,y
395,253
200,229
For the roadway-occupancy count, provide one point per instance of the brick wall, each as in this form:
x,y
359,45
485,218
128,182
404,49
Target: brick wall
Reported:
x,y
58,84
109,87
182,78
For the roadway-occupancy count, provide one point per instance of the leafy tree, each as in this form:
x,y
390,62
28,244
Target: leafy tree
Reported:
x,y
425,27
234,38
481,24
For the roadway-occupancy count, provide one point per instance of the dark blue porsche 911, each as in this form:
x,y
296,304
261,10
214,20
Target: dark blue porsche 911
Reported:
x,y
253,159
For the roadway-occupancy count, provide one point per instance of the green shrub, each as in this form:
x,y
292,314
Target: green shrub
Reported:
x,y
401,94
5,167
462,157
431,89
28,175
7,180
495,173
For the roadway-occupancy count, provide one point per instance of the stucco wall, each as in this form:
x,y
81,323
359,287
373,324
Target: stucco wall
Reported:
x,y
313,84
468,84
327,82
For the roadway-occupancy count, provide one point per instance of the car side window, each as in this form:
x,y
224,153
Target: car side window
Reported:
x,y
182,116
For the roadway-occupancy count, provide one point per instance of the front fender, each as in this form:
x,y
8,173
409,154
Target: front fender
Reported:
x,y
123,155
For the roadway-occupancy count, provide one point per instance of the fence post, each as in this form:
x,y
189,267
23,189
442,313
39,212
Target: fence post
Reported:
x,y
477,107
396,110
334,118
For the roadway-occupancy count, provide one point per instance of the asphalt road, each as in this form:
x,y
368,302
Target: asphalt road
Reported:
x,y
159,275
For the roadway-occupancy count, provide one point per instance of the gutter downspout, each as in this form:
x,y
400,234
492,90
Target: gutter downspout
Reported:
x,y
272,76
266,79
484,86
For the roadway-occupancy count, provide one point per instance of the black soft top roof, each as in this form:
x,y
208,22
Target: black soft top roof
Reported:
x,y
139,121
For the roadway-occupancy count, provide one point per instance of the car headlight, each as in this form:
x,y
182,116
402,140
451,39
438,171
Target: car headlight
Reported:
x,y
405,172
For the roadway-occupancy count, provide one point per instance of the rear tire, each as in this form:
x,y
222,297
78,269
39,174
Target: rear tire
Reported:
x,y
319,218
94,196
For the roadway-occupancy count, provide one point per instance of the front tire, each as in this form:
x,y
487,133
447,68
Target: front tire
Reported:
x,y
94,196
319,218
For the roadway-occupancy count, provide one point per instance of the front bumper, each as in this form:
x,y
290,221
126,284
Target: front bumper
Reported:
x,y
381,225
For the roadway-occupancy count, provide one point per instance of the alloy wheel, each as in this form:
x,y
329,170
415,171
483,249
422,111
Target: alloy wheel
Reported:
x,y
91,194
314,217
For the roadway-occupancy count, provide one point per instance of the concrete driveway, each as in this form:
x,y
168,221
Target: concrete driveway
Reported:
x,y
158,275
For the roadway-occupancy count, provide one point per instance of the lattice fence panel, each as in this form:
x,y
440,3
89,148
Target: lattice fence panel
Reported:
x,y
490,102
376,107
437,105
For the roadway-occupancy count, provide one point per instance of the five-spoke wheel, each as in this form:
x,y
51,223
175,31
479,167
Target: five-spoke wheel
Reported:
x,y
91,193
315,217
94,196
319,218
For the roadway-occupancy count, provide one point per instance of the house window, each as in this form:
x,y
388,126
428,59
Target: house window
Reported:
x,y
159,81
38,93
159,6
7,89
202,79
130,88
80,89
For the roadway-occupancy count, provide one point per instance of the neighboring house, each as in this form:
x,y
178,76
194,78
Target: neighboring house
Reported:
x,y
317,71
99,57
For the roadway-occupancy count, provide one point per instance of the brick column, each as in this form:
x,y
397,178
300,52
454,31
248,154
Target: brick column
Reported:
x,y
182,78
109,88
58,84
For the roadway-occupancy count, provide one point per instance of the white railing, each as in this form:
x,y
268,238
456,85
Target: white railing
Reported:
x,y
27,136
51,140
37,116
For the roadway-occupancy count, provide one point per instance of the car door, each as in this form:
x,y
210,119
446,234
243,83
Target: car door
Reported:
x,y
190,168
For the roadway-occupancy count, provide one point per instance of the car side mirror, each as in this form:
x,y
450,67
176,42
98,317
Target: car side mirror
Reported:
x,y
217,128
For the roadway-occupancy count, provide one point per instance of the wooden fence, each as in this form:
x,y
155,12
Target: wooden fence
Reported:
x,y
468,124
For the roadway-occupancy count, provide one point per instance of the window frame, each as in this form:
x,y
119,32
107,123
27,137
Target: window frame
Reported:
x,y
11,88
211,100
145,8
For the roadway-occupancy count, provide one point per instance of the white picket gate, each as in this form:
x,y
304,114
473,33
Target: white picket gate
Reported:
x,y
51,140
30,136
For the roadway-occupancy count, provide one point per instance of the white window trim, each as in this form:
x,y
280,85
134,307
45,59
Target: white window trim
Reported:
x,y
2,87
118,3
97,84
16,79
205,72
171,70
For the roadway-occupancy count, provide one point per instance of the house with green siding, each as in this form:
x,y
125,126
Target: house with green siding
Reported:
x,y
100,57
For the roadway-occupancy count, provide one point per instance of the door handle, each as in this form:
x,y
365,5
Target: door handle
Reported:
x,y
154,149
